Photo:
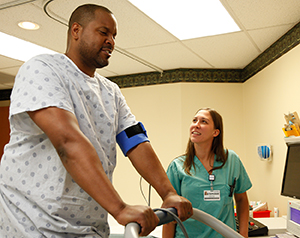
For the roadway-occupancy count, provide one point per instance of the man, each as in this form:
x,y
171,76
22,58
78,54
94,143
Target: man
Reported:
x,y
55,174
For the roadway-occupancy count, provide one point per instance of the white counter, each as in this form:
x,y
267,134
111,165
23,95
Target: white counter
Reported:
x,y
276,225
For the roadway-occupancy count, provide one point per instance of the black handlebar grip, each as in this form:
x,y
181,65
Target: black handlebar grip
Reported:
x,y
165,217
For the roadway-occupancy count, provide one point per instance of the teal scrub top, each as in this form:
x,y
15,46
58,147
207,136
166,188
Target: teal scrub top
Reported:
x,y
193,188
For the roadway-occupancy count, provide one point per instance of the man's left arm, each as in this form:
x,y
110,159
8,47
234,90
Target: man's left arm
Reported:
x,y
146,162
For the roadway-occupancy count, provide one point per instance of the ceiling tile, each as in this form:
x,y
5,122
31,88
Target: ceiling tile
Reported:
x,y
257,14
170,56
122,65
51,34
264,37
262,23
232,50
6,62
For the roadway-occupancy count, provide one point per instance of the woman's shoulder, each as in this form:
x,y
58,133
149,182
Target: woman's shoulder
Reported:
x,y
176,167
233,160
232,156
177,163
178,160
231,153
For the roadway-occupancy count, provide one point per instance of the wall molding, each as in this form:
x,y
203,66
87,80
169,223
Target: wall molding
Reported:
x,y
179,75
284,44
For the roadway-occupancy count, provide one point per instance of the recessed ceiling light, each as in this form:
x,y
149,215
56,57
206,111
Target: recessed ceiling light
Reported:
x,y
189,18
28,25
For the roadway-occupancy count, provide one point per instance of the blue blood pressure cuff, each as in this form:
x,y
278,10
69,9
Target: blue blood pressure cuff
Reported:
x,y
131,137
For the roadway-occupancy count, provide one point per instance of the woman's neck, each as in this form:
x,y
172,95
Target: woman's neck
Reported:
x,y
206,156
203,151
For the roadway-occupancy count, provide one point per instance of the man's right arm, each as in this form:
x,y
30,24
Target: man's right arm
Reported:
x,y
81,160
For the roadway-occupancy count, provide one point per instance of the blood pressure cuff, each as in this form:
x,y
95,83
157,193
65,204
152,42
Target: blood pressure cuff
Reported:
x,y
131,137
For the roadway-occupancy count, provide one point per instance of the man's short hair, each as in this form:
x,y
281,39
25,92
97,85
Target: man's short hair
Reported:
x,y
85,13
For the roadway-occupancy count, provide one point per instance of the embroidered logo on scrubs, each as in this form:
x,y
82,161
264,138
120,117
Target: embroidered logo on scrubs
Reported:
x,y
211,195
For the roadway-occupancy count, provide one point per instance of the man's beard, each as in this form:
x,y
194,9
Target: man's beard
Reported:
x,y
90,57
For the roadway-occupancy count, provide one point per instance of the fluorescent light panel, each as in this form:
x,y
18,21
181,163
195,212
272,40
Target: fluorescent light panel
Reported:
x,y
187,19
18,49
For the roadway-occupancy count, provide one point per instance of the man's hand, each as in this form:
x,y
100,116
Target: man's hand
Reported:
x,y
142,215
183,206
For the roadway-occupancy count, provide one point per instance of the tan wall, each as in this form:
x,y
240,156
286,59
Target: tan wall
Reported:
x,y
267,96
252,113
167,111
158,108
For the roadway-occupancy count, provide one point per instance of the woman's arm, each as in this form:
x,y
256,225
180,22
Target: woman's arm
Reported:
x,y
242,207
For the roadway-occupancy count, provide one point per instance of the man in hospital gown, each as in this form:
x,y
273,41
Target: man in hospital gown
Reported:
x,y
56,171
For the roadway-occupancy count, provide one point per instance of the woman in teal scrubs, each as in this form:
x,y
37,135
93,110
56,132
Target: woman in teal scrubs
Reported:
x,y
210,177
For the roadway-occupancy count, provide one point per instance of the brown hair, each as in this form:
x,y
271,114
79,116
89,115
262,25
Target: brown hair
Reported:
x,y
217,144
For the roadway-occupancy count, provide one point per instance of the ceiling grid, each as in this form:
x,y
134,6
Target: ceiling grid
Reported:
x,y
146,52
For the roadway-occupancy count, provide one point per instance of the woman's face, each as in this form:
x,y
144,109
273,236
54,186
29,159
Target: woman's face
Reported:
x,y
202,128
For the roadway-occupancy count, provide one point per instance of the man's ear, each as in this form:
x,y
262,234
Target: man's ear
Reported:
x,y
75,30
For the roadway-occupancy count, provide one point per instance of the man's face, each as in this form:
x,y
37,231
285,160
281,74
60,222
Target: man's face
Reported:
x,y
97,40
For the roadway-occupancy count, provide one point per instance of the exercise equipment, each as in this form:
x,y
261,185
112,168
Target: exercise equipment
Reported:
x,y
132,229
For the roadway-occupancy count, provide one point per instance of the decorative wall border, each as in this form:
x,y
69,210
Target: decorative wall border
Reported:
x,y
178,75
284,44
287,42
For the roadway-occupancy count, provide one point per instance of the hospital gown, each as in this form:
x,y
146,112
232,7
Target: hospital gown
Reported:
x,y
193,188
38,198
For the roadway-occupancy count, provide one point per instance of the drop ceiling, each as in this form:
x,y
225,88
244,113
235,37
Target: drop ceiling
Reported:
x,y
142,45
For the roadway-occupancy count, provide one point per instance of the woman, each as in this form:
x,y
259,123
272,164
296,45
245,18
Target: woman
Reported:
x,y
209,176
